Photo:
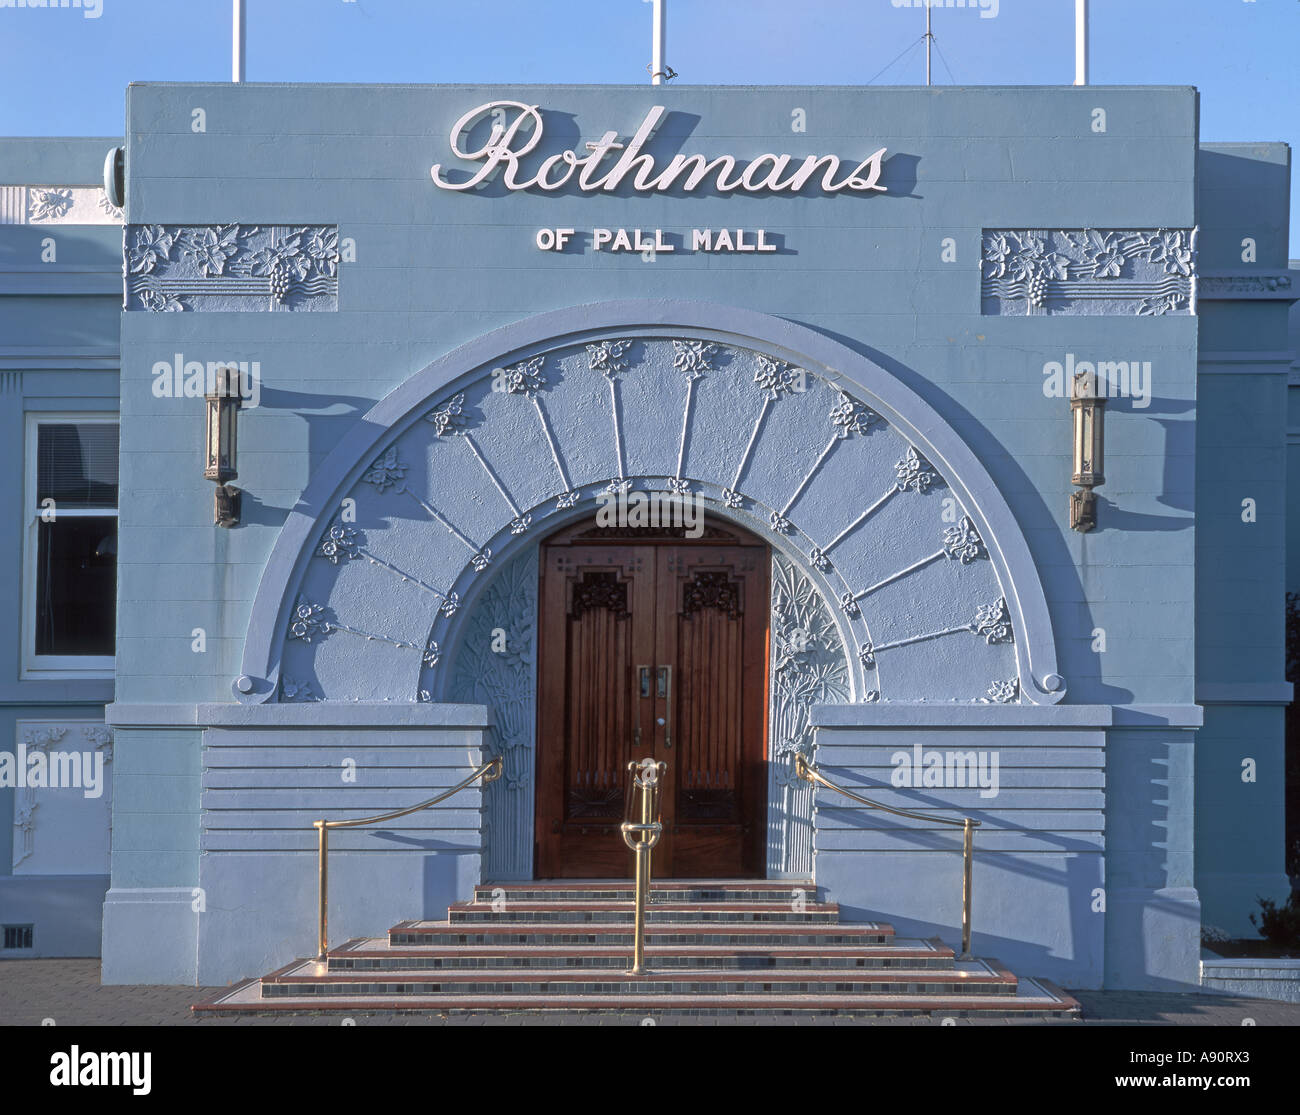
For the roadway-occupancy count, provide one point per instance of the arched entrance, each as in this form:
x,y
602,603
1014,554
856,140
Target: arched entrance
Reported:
x,y
653,642
408,572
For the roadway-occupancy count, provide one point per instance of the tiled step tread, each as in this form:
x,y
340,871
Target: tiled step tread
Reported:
x,y
614,912
375,953
764,934
627,906
307,977
961,970
856,928
899,947
698,891
656,884
1035,997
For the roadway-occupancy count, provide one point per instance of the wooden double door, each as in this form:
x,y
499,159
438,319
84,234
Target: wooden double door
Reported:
x,y
652,648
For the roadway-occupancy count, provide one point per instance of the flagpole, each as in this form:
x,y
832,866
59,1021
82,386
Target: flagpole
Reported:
x,y
929,42
657,69
1080,42
237,42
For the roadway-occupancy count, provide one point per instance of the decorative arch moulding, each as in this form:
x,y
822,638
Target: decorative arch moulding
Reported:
x,y
849,475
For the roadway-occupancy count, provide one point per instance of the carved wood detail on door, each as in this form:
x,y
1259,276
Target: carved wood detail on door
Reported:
x,y
652,650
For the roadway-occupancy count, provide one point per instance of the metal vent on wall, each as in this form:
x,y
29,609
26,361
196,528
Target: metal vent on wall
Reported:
x,y
18,936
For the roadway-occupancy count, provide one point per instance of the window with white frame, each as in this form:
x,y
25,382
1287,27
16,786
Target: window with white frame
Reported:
x,y
70,566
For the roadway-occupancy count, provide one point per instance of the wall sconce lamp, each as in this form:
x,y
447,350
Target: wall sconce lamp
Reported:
x,y
1088,412
223,401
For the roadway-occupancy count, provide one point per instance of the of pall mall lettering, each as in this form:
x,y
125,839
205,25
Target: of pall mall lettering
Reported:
x,y
655,240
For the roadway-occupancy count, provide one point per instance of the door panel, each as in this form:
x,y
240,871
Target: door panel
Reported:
x,y
597,608
712,627
654,650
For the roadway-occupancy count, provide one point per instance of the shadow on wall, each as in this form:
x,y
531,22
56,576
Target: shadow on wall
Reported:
x,y
1081,875
1179,488
1153,928
328,418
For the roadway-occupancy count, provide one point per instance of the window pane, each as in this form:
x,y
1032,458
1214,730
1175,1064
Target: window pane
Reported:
x,y
76,464
76,586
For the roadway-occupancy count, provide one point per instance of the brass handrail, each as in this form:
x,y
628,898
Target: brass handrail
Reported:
x,y
646,776
489,772
805,770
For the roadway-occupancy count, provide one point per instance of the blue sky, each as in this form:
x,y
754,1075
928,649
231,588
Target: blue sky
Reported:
x,y
62,73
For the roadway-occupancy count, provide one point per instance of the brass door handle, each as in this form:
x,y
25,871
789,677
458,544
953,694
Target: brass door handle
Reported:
x,y
666,694
640,691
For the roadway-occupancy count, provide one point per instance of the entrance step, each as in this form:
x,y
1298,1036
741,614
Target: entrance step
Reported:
x,y
657,933
375,954
309,977
713,946
1033,999
670,891
578,911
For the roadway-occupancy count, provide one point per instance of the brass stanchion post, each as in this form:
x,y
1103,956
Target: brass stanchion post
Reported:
x,y
641,837
322,887
967,883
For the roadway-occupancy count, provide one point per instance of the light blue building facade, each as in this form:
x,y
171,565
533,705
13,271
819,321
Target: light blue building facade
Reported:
x,y
465,315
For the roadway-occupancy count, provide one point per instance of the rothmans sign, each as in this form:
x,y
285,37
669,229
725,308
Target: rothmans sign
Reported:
x,y
517,131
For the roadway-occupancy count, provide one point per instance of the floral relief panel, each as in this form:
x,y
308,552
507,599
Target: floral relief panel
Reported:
x,y
174,268
1144,272
57,205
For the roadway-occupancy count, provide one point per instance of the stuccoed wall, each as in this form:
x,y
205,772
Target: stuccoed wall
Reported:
x,y
1151,908
258,870
434,269
151,913
59,324
215,863
1038,850
1241,551
1083,858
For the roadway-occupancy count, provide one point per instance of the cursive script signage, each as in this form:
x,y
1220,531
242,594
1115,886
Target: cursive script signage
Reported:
x,y
517,130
